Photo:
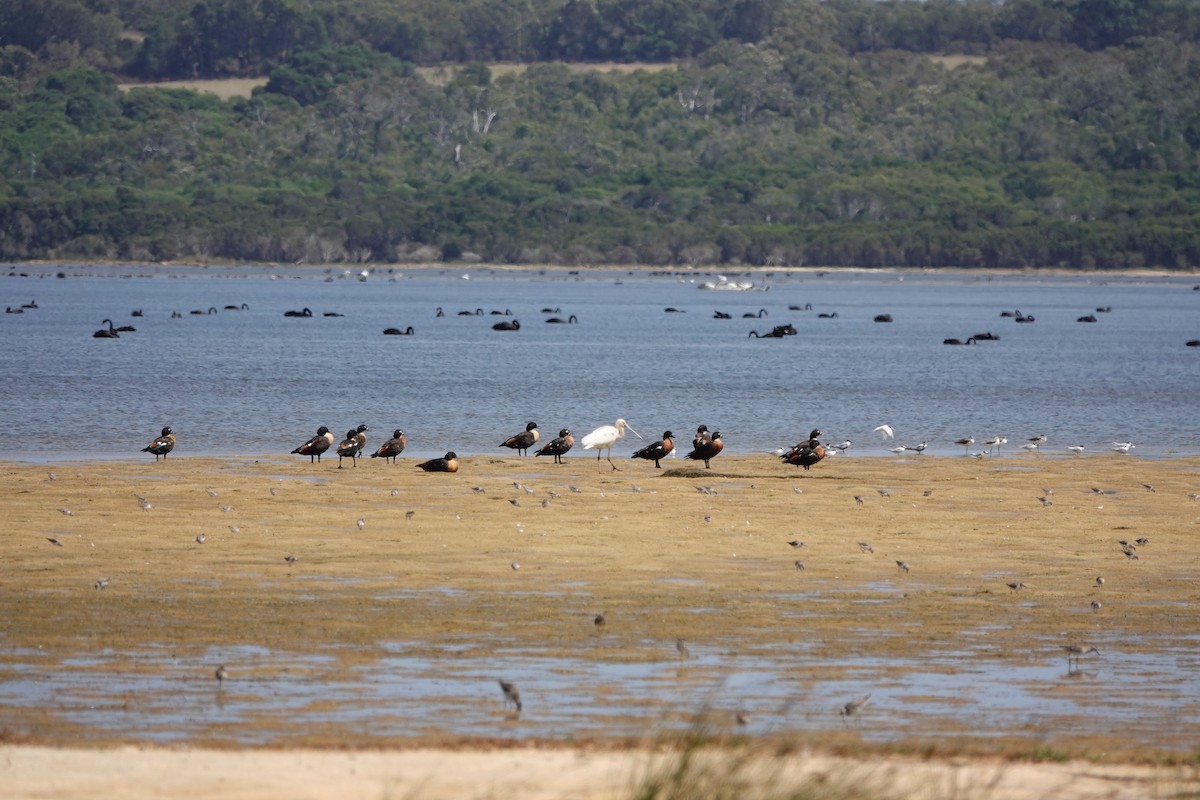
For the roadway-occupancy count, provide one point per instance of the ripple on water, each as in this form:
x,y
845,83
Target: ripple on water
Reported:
x,y
157,695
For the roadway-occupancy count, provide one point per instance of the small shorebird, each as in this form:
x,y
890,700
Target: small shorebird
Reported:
x,y
996,442
600,621
1077,449
557,447
1123,447
854,706
164,444
317,445
522,441
511,695
221,674
447,463
1038,441
965,443
1075,652
659,450
866,547
903,565
1015,587
920,448
682,648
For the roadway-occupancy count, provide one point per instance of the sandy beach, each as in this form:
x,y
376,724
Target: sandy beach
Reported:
x,y
188,554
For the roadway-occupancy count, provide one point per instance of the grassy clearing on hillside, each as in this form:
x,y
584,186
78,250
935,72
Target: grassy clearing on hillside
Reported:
x,y
225,88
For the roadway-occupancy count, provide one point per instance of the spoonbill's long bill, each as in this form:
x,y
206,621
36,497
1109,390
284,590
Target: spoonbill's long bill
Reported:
x,y
604,437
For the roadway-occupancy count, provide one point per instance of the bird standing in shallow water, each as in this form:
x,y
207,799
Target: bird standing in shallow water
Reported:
x,y
392,447
522,441
854,706
447,463
1074,652
604,437
164,444
657,451
557,447
708,449
511,695
317,445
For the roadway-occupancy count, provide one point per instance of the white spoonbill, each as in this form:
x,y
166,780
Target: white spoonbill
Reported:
x,y
604,437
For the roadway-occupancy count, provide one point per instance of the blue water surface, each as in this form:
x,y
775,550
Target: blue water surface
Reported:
x,y
253,381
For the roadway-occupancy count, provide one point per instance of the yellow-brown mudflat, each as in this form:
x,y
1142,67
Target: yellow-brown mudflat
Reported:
x,y
519,555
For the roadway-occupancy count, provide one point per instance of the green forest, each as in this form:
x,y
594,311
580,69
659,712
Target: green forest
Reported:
x,y
980,133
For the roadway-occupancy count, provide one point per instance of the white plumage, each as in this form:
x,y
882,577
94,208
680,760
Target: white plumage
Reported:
x,y
887,431
604,437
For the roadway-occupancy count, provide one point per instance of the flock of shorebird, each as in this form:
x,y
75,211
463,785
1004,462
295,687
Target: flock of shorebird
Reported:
x,y
706,446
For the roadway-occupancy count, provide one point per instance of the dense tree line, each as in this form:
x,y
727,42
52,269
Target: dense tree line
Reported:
x,y
782,132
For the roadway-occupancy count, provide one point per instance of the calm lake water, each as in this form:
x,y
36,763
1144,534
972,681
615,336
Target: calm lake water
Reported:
x,y
253,381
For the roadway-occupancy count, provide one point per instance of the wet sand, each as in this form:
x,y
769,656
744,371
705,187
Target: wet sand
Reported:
x,y
457,559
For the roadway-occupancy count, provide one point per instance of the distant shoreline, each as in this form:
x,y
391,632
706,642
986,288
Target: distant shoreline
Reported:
x,y
468,266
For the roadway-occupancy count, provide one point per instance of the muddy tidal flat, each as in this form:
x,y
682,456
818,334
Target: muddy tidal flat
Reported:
x,y
379,606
